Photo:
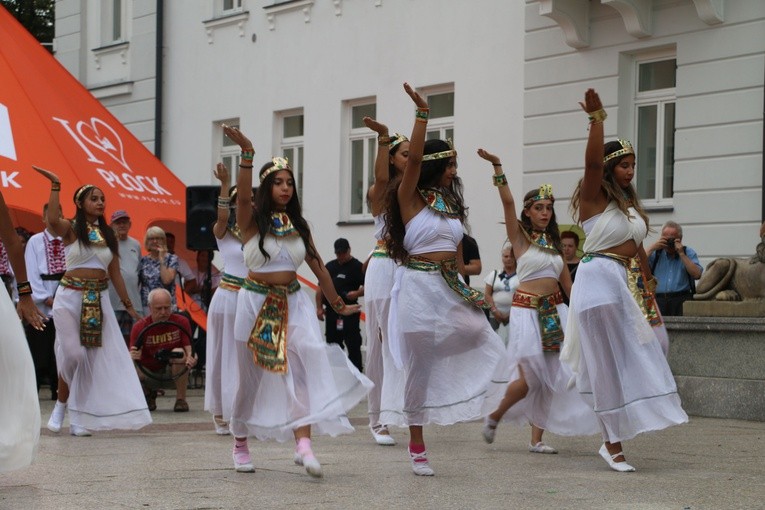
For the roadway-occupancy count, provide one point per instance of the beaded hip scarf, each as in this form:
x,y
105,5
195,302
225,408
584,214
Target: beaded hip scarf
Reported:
x,y
381,250
268,338
448,270
547,315
230,282
91,314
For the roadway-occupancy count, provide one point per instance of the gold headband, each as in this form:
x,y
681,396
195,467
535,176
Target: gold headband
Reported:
x,y
443,154
395,140
279,164
83,189
544,193
626,149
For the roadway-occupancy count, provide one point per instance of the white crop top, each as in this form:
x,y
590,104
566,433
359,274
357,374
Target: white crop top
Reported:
x,y
612,228
429,231
79,256
287,253
539,263
233,256
379,226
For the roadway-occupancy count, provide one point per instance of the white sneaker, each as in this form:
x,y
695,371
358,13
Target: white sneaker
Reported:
x,y
309,462
57,417
242,460
489,430
622,466
540,447
420,464
382,439
221,427
78,431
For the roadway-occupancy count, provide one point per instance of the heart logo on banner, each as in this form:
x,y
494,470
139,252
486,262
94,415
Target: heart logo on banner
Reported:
x,y
101,136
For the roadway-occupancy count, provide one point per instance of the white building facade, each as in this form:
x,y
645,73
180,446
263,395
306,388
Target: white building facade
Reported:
x,y
681,78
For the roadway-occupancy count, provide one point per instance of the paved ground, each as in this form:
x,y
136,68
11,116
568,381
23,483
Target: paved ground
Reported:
x,y
179,463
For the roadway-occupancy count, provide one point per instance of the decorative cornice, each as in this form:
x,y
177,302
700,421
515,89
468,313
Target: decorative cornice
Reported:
x,y
711,12
237,19
637,15
291,5
573,17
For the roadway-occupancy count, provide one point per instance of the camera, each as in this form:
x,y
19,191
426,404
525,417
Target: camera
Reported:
x,y
166,355
671,242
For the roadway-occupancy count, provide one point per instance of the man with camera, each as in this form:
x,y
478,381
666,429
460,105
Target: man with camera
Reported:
x,y
676,268
163,348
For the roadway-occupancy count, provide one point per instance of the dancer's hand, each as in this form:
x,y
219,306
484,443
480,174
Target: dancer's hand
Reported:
x,y
377,127
591,101
350,310
47,174
488,156
221,173
29,312
237,137
416,97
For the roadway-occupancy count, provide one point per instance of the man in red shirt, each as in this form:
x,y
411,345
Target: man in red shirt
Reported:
x,y
165,337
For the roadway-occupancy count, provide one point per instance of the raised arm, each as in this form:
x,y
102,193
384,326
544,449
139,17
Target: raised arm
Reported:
x,y
407,190
514,233
593,155
221,222
59,225
377,189
244,217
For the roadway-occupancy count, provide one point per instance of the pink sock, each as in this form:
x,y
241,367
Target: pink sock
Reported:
x,y
304,446
416,449
240,443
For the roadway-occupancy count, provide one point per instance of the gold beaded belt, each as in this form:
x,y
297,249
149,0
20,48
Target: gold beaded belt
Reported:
x,y
643,296
448,270
547,315
91,314
230,282
381,250
268,338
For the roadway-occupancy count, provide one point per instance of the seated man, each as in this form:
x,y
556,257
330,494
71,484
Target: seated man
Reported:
x,y
167,338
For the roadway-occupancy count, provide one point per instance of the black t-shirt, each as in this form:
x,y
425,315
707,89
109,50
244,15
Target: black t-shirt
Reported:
x,y
469,252
345,277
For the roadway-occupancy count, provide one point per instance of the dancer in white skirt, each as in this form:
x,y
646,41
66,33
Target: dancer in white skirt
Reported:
x,y
437,329
290,381
19,405
221,369
392,152
101,390
610,344
538,392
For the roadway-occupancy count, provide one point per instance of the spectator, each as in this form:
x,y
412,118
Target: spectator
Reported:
x,y
158,268
6,274
676,268
500,288
24,236
165,337
570,242
130,262
46,264
348,279
471,258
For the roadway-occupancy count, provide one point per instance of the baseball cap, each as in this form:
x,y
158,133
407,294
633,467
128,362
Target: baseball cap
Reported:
x,y
342,245
119,214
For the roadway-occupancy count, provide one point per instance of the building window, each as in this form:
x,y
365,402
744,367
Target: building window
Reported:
x,y
363,150
441,121
228,151
112,21
229,6
291,146
654,118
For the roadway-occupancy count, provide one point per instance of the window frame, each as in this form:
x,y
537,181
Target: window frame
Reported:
x,y
440,127
369,153
296,144
227,152
108,22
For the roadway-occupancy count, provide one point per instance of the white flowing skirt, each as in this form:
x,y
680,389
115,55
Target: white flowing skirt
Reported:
x,y
19,405
617,357
104,390
550,403
221,368
447,349
320,386
388,392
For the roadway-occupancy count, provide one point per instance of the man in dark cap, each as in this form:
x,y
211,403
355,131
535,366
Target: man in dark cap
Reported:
x,y
348,278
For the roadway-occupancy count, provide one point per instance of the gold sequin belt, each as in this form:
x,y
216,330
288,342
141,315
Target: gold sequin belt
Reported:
x,y
91,314
546,306
449,272
230,282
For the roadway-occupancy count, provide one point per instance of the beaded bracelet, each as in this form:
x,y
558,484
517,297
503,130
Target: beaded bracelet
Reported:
x,y
244,166
24,288
597,116
127,303
224,202
383,140
422,114
496,164
55,186
248,153
499,180
338,304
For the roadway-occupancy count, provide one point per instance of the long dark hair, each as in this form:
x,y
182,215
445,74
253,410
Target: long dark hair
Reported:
x,y
264,207
80,223
431,172
624,197
552,227
392,173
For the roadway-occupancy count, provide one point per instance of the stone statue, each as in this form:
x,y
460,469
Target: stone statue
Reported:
x,y
735,279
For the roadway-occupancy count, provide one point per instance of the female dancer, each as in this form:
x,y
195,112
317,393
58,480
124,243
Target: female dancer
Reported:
x,y
538,386
98,382
221,378
19,405
610,344
392,152
438,332
289,378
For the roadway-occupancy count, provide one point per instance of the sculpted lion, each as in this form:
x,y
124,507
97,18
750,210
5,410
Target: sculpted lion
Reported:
x,y
734,279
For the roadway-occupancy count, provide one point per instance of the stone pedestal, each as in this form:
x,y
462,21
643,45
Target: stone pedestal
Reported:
x,y
750,308
719,365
